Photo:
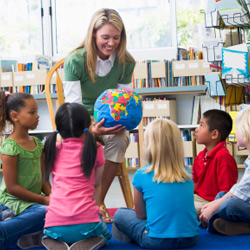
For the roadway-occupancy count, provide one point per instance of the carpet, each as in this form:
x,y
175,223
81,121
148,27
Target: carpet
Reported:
x,y
206,241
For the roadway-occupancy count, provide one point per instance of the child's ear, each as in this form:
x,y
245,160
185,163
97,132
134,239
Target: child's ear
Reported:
x,y
215,134
14,116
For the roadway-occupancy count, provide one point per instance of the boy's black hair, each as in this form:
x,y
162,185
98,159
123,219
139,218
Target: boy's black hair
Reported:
x,y
71,120
220,120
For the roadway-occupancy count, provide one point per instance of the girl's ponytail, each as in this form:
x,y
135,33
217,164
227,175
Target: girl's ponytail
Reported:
x,y
49,154
89,153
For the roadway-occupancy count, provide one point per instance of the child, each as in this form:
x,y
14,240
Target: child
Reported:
x,y
22,190
164,215
214,169
230,214
76,164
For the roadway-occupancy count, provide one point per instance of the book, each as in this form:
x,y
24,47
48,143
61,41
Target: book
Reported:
x,y
212,16
232,12
195,117
212,49
8,65
235,64
232,135
234,95
214,84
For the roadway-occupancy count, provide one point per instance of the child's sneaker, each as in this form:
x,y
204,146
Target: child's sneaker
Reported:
x,y
93,243
120,236
30,240
226,227
52,244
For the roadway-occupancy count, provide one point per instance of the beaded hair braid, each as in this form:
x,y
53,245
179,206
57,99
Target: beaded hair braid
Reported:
x,y
2,110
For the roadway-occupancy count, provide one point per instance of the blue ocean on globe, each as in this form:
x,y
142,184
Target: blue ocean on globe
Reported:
x,y
118,106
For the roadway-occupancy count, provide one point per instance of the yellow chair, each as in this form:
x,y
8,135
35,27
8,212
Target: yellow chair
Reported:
x,y
122,173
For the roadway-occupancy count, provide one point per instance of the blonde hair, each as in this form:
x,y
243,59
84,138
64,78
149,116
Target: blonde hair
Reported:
x,y
164,152
101,17
242,123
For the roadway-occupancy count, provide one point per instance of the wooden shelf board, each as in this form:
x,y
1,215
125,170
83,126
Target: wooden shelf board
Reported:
x,y
200,89
131,169
43,97
241,166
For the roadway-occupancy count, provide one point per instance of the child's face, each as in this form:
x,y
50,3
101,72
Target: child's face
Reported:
x,y
239,139
107,40
202,133
28,117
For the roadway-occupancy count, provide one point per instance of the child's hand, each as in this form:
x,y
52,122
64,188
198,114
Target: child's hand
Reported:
x,y
208,209
46,200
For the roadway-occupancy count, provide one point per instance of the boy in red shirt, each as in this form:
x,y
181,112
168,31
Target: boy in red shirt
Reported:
x,y
214,168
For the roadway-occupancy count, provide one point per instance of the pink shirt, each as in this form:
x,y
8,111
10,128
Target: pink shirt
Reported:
x,y
71,199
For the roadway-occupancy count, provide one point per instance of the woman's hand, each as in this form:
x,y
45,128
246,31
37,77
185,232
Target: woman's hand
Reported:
x,y
98,129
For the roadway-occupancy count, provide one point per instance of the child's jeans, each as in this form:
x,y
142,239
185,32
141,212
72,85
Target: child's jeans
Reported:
x,y
77,232
232,209
126,221
29,221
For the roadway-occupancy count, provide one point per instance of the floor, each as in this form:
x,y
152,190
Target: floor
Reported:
x,y
114,198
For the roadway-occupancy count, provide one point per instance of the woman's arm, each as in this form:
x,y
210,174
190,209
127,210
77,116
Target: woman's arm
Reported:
x,y
10,177
98,181
72,91
140,206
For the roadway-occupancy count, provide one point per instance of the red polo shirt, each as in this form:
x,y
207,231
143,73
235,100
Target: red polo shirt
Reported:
x,y
215,172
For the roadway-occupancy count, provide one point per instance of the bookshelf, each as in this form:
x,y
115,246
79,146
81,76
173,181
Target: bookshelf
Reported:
x,y
167,110
234,22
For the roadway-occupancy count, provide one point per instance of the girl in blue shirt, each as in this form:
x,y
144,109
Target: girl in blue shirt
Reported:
x,y
164,215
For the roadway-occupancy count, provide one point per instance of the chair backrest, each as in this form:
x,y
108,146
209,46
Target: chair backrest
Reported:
x,y
59,87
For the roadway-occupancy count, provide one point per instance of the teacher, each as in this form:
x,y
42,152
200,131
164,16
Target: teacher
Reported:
x,y
101,62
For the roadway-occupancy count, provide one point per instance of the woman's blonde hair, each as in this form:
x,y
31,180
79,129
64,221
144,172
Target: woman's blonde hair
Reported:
x,y
101,17
242,123
164,152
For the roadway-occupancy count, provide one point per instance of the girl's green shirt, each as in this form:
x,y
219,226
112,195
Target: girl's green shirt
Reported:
x,y
29,174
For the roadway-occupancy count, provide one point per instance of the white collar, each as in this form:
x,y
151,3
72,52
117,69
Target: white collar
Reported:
x,y
111,58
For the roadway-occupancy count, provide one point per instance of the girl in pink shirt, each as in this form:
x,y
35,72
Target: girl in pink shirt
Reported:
x,y
72,217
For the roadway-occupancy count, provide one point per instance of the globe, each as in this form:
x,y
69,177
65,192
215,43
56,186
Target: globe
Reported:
x,y
118,106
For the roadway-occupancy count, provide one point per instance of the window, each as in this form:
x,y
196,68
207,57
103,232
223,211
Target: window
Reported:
x,y
150,24
190,23
21,28
147,22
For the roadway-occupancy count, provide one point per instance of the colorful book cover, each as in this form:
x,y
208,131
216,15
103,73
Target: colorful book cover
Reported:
x,y
8,65
235,64
214,84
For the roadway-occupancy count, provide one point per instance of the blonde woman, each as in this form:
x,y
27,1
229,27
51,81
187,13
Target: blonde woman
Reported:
x,y
101,62
164,215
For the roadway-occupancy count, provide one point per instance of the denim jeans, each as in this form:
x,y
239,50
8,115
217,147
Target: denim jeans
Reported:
x,y
232,209
126,221
77,232
29,221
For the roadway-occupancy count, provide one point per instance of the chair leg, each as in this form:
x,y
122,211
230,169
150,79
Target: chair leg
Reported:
x,y
125,186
